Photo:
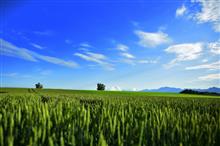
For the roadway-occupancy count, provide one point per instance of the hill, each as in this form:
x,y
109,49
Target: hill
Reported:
x,y
177,90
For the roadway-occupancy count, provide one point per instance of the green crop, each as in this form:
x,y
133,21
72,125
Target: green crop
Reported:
x,y
107,118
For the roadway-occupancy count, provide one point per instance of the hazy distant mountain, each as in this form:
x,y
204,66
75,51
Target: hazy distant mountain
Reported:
x,y
212,89
177,90
164,89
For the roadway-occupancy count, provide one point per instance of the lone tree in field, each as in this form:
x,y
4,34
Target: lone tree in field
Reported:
x,y
100,86
39,86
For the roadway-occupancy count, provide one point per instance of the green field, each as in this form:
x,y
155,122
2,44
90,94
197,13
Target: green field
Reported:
x,y
76,117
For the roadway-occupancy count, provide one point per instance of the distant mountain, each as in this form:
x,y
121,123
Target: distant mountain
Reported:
x,y
177,90
212,89
164,89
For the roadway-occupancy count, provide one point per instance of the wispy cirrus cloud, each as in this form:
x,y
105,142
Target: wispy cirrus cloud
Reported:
x,y
152,39
97,58
181,11
86,45
127,55
209,13
211,66
37,46
214,47
122,47
210,77
83,49
9,49
127,61
149,61
184,52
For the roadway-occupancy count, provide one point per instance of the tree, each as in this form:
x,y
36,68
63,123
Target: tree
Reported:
x,y
100,86
39,86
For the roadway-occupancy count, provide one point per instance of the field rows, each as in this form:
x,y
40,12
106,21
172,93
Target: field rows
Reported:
x,y
31,119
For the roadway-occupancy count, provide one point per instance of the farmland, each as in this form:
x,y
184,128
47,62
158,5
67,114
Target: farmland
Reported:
x,y
73,117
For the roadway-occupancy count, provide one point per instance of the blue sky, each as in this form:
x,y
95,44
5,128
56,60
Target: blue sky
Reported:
x,y
127,45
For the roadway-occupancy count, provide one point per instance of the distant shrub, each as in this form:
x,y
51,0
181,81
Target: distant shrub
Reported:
x,y
100,86
39,86
190,91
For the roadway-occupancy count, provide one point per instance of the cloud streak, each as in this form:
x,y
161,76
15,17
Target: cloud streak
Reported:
x,y
152,39
211,66
122,47
36,46
210,77
209,13
97,58
184,52
127,55
9,49
86,45
214,47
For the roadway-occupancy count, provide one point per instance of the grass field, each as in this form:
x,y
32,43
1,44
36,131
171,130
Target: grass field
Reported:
x,y
74,117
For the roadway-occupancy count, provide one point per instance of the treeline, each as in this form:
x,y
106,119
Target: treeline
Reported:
x,y
190,91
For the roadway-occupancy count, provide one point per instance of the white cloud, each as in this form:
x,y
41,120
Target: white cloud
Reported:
x,y
9,49
36,46
148,61
122,47
152,39
209,12
127,55
114,88
181,11
83,49
184,52
210,77
97,58
128,61
86,45
214,47
57,61
211,66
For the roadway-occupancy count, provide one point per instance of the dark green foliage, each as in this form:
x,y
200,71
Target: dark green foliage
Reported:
x,y
39,86
190,91
45,99
3,92
100,86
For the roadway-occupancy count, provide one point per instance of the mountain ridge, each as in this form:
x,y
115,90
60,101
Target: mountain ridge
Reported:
x,y
177,90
